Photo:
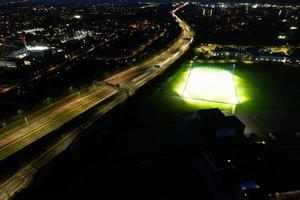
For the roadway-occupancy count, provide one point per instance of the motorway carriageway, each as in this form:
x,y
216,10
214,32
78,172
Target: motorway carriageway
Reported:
x,y
19,134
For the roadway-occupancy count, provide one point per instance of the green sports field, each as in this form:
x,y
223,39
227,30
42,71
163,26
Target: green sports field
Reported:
x,y
213,83
234,88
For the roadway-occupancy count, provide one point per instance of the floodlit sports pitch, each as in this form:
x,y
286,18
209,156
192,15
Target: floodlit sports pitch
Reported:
x,y
256,91
209,83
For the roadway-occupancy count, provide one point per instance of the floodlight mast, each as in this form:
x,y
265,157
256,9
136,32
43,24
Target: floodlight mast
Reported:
x,y
233,68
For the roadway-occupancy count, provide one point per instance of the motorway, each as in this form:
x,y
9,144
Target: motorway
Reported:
x,y
49,120
137,76
14,183
21,133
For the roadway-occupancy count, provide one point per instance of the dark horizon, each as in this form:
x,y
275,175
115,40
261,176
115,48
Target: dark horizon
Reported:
x,y
160,1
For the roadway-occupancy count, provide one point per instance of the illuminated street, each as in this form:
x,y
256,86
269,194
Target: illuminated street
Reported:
x,y
146,100
19,134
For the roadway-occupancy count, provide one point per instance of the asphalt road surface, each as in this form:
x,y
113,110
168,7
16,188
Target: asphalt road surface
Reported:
x,y
21,133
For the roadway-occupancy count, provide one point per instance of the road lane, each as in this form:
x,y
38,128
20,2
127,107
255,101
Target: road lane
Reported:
x,y
19,135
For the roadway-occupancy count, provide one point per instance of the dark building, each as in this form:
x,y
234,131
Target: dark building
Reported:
x,y
217,126
10,63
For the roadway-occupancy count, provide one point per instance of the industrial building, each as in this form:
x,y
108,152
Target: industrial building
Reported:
x,y
14,57
218,126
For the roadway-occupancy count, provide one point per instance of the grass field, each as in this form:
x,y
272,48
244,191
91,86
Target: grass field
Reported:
x,y
251,88
210,83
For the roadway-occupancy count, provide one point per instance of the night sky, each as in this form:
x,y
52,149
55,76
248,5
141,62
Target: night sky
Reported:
x,y
133,1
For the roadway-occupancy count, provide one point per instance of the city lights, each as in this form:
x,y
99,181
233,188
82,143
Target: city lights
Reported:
x,y
206,87
281,37
77,16
37,48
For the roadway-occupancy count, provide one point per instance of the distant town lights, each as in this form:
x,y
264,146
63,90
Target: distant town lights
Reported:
x,y
294,28
282,37
77,16
27,62
37,48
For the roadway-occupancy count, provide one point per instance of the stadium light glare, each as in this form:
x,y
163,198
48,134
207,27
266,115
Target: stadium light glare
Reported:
x,y
180,86
211,84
